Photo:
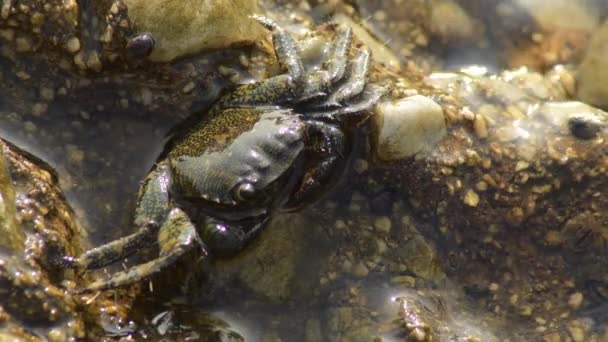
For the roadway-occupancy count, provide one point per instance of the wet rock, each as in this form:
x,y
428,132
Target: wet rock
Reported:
x,y
269,266
407,126
537,161
86,35
183,28
11,236
593,70
36,224
421,259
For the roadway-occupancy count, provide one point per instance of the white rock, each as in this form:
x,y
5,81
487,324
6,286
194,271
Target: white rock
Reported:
x,y
407,126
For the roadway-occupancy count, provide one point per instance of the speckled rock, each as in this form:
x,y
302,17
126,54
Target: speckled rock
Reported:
x,y
407,126
187,27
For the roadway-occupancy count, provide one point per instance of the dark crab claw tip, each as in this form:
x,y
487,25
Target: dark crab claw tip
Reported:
x,y
141,45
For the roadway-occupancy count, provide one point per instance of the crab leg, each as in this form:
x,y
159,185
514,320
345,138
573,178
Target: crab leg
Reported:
x,y
318,83
353,111
153,205
285,48
278,89
111,252
355,83
336,64
176,236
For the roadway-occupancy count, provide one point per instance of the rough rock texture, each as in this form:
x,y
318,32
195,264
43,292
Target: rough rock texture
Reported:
x,y
36,222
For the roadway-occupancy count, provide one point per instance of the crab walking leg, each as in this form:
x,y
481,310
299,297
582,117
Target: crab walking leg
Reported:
x,y
356,81
153,205
278,89
176,236
336,64
353,111
285,48
316,86
113,251
333,152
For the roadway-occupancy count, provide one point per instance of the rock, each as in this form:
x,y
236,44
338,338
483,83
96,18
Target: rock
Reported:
x,y
268,267
11,236
593,70
407,126
562,14
451,23
183,28
36,224
420,258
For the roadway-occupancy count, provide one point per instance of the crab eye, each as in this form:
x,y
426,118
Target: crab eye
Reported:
x,y
583,128
244,191
141,45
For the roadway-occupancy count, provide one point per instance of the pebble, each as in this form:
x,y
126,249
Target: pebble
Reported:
x,y
577,333
575,300
480,126
525,310
360,165
39,109
417,335
72,45
471,198
360,270
382,224
553,238
23,44
407,126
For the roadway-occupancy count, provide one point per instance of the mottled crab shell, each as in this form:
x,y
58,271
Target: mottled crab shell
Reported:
x,y
249,162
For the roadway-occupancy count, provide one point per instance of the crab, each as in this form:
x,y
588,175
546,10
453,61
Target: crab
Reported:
x,y
266,147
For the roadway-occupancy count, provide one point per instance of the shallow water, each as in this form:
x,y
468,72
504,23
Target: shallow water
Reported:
x,y
323,278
